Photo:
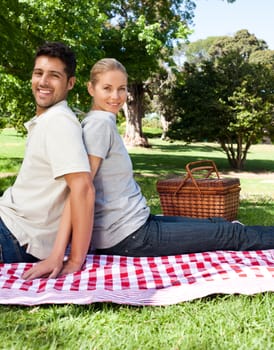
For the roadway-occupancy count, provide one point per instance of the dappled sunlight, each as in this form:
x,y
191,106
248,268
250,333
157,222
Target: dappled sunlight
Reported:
x,y
165,158
261,209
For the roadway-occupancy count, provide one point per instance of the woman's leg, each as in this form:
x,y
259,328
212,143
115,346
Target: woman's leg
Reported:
x,y
164,235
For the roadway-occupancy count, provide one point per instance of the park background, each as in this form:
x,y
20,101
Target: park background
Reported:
x,y
230,79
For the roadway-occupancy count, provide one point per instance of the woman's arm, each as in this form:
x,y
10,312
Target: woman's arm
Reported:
x,y
94,163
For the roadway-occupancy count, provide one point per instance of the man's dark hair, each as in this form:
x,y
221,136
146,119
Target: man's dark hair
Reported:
x,y
61,51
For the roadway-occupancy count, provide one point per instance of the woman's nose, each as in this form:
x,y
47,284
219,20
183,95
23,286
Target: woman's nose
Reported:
x,y
115,94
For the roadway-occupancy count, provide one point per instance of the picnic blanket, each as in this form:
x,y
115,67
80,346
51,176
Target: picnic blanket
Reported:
x,y
144,281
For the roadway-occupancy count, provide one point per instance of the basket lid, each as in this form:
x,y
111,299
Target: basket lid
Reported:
x,y
210,183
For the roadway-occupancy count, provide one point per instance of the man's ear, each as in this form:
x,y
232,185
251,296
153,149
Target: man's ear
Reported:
x,y
71,82
90,88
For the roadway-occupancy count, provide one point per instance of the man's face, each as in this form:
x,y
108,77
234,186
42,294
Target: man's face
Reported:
x,y
50,83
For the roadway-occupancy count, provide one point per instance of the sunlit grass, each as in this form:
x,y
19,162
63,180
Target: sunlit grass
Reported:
x,y
218,322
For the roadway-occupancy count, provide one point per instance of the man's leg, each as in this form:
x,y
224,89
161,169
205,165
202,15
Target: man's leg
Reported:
x,y
10,249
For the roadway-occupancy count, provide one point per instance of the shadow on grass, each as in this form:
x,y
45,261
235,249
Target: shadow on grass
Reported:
x,y
160,164
165,164
151,135
170,147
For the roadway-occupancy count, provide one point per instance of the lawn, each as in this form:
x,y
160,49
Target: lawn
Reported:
x,y
216,322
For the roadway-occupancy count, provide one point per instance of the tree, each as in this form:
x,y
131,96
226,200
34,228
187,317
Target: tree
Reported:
x,y
30,23
127,30
141,35
228,99
199,50
15,57
243,42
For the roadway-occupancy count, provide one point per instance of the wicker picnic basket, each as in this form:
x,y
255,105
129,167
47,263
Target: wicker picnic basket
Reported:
x,y
200,197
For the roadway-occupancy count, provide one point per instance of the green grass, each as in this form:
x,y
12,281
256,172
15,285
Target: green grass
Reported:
x,y
12,151
234,322
222,322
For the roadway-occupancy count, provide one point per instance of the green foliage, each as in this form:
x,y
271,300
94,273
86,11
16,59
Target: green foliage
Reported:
x,y
198,51
142,35
228,98
16,105
123,29
243,42
17,41
27,24
265,57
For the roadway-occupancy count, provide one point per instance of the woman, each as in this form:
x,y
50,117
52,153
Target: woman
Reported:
x,y
123,224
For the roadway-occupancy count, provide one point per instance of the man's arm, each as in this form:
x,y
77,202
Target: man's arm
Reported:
x,y
76,222
82,198
52,265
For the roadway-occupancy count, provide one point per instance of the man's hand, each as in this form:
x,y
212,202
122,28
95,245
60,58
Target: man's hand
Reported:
x,y
48,268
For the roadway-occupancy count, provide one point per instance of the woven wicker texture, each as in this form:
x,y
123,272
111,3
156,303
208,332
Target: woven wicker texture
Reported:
x,y
200,197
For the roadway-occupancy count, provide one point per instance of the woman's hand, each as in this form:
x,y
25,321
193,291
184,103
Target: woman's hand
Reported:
x,y
70,267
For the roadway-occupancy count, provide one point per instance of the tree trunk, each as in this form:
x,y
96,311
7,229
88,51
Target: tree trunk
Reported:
x,y
236,152
134,112
165,126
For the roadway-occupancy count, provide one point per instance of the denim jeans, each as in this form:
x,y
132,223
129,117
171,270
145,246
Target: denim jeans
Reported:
x,y
10,249
171,235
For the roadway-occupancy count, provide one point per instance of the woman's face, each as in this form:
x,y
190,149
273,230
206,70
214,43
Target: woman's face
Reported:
x,y
109,92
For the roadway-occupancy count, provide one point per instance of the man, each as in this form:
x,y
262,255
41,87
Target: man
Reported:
x,y
52,195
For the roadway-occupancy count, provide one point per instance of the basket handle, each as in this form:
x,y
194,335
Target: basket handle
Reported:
x,y
199,165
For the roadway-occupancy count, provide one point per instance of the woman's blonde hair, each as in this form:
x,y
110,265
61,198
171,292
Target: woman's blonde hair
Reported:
x,y
105,65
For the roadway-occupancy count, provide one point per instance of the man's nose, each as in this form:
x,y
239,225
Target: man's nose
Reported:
x,y
44,79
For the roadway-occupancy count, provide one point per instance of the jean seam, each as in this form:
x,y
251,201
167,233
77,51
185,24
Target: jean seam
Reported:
x,y
1,255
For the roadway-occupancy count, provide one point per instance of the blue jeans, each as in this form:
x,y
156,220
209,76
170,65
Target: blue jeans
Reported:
x,y
10,249
171,235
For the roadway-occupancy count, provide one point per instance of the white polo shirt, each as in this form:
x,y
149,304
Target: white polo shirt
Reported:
x,y
32,207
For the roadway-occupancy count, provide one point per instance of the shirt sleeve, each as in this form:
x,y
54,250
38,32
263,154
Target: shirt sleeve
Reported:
x,y
65,147
98,137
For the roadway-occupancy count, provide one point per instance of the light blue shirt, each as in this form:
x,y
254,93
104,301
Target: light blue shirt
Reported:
x,y
120,207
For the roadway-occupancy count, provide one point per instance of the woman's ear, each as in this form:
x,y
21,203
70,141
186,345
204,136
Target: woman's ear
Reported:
x,y
90,88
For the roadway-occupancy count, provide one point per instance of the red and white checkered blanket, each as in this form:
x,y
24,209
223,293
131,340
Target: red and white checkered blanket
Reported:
x,y
144,281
